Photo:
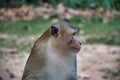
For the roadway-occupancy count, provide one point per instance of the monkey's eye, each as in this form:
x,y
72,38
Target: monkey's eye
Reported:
x,y
74,33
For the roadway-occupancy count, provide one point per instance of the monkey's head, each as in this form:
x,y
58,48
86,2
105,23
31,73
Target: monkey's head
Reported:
x,y
64,37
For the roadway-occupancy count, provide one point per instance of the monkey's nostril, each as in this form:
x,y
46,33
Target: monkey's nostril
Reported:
x,y
80,43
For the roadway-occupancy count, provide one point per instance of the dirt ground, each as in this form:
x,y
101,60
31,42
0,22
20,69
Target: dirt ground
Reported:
x,y
92,61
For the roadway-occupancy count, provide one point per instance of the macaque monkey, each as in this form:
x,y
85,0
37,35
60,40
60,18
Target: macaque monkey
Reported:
x,y
53,56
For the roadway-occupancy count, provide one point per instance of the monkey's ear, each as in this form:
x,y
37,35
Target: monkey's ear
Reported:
x,y
54,31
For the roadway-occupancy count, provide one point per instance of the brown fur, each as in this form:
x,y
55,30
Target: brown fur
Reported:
x,y
51,57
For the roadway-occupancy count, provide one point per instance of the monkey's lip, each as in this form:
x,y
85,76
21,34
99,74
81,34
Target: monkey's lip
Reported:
x,y
76,48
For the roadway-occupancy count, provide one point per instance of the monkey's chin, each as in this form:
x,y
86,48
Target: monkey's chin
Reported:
x,y
75,49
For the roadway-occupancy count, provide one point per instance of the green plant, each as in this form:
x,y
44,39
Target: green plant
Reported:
x,y
11,3
108,4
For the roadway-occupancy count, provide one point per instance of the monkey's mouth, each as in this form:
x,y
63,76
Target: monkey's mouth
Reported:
x,y
76,49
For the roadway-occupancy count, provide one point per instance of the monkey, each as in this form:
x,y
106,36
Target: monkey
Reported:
x,y
53,55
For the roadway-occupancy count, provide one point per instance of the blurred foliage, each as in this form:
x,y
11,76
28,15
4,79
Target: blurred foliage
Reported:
x,y
108,4
11,3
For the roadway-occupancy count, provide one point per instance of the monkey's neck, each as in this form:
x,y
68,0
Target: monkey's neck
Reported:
x,y
59,65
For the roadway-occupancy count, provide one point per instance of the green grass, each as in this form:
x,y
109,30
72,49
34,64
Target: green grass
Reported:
x,y
35,26
21,29
112,73
103,33
97,31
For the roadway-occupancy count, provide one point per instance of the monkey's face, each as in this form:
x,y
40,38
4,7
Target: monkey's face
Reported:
x,y
73,42
66,38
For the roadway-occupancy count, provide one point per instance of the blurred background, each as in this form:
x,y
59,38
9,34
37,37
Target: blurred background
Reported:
x,y
23,21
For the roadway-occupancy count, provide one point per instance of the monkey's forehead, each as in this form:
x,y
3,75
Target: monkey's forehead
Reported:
x,y
62,23
66,25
